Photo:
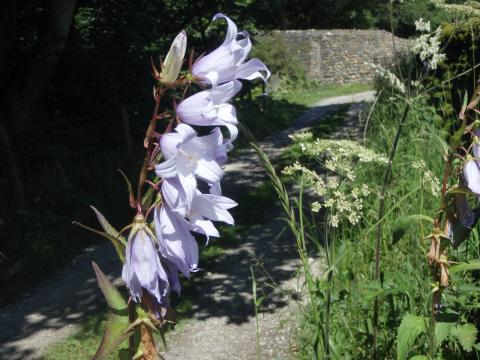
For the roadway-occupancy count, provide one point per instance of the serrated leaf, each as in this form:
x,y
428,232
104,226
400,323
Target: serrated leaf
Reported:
x,y
472,265
466,335
410,328
442,330
118,328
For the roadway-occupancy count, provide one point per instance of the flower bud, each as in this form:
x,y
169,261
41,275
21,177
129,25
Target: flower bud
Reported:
x,y
173,61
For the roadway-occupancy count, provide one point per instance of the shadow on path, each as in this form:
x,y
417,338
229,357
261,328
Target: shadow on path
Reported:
x,y
53,310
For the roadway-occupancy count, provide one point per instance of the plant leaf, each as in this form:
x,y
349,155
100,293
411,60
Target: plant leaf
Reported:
x,y
404,223
442,330
114,299
419,357
466,335
116,332
117,328
109,229
410,327
472,265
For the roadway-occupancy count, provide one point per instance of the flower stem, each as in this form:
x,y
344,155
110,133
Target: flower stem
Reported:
x,y
150,147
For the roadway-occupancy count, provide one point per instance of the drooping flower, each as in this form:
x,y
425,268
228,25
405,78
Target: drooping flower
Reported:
x,y
142,269
210,107
175,242
464,212
227,62
173,61
189,156
204,208
471,174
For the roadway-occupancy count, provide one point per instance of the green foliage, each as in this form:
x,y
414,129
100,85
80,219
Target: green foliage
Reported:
x,y
408,331
466,335
117,327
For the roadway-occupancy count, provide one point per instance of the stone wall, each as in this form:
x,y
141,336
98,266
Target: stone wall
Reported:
x,y
342,56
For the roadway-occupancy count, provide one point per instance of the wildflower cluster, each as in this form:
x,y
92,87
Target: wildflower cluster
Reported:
x,y
335,191
430,182
389,76
469,8
183,168
427,45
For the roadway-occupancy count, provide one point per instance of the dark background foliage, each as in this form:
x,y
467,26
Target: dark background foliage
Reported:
x,y
105,60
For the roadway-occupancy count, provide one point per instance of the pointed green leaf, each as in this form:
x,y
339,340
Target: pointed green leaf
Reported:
x,y
118,328
419,357
466,335
114,299
116,331
410,328
110,233
442,330
109,229
472,265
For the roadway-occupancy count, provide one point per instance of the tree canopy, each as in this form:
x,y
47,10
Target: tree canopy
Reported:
x,y
60,59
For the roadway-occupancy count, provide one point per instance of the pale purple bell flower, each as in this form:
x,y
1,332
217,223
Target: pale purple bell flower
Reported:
x,y
464,213
175,242
142,269
189,156
471,173
227,62
203,209
476,144
210,107
207,208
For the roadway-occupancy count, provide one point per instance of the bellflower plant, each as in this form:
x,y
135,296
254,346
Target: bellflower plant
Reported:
x,y
227,62
170,208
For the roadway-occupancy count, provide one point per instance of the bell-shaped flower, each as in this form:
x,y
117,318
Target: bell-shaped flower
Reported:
x,y
471,173
203,209
476,144
464,213
227,62
175,242
142,270
173,61
208,207
189,156
210,108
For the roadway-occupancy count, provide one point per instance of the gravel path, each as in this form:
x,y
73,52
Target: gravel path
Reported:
x,y
222,323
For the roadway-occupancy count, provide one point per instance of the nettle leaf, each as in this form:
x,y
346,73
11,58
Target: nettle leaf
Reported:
x,y
466,335
117,328
410,328
442,330
472,265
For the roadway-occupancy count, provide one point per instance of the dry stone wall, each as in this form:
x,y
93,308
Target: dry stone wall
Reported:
x,y
342,56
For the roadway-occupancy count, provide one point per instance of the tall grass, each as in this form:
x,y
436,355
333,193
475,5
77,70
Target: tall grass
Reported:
x,y
338,321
